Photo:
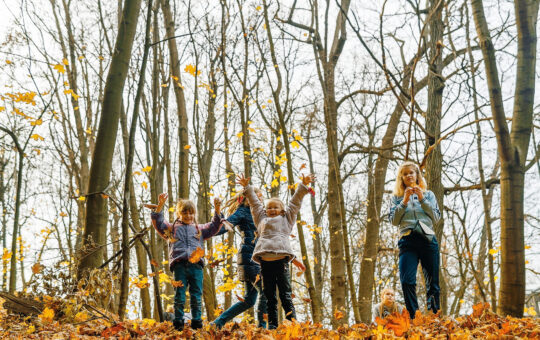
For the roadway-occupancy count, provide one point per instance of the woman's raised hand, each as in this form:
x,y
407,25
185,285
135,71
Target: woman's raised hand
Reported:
x,y
242,180
306,180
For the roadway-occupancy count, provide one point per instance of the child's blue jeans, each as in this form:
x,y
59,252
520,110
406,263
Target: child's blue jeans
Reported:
x,y
251,291
191,275
413,249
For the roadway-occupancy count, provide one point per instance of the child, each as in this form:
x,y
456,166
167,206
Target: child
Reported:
x,y
248,270
273,250
186,244
388,304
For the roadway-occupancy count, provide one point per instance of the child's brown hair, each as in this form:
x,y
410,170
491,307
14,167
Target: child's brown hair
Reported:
x,y
185,205
236,201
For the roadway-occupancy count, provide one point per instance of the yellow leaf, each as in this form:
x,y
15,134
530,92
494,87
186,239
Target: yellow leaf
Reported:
x,y
269,101
239,134
275,183
527,247
147,168
249,122
258,8
65,61
164,278
35,136
63,214
82,198
36,122
47,316
145,185
2,108
298,138
101,58
9,62
187,147
295,144
493,251
191,70
164,85
88,131
59,68
81,57
136,173
31,329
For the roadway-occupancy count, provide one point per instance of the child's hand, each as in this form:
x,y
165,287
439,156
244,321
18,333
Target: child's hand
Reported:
x,y
217,205
243,181
162,198
306,180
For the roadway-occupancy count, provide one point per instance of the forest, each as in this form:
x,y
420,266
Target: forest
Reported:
x,y
105,105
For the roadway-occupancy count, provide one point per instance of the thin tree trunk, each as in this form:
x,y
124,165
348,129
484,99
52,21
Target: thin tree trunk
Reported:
x,y
96,210
433,124
183,172
124,281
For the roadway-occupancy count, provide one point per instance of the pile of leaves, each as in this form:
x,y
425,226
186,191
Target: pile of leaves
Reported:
x,y
63,320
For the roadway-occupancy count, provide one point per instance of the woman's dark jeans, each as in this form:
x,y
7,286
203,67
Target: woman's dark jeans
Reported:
x,y
275,274
251,291
413,249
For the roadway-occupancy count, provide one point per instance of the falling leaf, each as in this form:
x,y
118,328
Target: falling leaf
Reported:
x,y
191,70
36,268
60,68
9,62
295,144
187,147
154,263
239,134
258,8
35,136
196,255
338,314
144,185
36,122
65,61
146,168
81,198
177,284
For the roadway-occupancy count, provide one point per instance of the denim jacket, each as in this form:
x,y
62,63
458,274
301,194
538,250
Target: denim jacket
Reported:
x,y
425,211
184,239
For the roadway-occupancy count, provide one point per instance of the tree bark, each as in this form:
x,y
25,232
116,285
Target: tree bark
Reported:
x,y
512,146
96,209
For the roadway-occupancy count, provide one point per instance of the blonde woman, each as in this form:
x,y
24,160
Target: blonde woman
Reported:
x,y
414,209
388,304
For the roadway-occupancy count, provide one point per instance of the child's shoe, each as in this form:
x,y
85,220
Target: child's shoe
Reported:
x,y
178,325
196,324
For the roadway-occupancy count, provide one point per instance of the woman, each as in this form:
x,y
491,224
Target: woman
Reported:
x,y
414,209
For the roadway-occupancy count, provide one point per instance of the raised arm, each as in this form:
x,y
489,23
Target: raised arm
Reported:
x,y
212,228
255,205
158,220
296,201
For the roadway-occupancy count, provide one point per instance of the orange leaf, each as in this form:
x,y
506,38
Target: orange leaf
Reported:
x,y
303,166
112,331
239,298
196,255
36,268
398,323
257,278
177,284
338,314
154,263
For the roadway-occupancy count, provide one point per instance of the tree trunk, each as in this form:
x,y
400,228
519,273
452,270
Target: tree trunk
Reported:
x,y
96,210
512,146
128,183
433,124
183,172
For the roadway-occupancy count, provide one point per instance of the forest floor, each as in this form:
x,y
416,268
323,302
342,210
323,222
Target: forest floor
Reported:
x,y
64,320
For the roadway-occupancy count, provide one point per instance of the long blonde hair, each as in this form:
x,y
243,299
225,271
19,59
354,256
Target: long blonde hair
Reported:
x,y
400,186
238,200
